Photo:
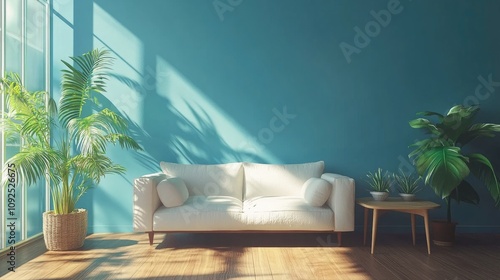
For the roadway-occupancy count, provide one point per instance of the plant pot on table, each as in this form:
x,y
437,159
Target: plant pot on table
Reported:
x,y
379,195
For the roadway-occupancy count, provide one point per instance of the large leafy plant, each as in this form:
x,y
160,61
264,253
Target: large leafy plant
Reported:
x,y
72,157
443,163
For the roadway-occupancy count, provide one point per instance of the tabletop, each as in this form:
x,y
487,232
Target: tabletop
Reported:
x,y
394,203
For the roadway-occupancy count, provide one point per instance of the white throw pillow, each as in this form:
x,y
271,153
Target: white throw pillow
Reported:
x,y
172,192
316,191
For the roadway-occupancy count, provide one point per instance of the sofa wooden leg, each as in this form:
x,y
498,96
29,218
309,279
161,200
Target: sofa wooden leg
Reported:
x,y
151,237
339,238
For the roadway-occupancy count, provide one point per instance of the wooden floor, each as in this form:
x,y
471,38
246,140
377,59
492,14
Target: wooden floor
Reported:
x,y
259,256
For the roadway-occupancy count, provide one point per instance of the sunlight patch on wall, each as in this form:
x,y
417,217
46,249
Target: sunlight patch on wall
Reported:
x,y
123,91
62,42
193,127
199,115
64,8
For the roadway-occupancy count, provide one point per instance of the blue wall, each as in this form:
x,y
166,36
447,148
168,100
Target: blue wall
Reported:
x,y
205,84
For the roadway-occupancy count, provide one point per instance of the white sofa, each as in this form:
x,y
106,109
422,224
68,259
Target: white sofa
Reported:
x,y
243,197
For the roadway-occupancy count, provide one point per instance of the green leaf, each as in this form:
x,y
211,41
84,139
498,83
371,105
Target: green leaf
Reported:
x,y
457,121
478,130
424,145
429,114
31,163
481,167
444,169
465,193
424,124
87,76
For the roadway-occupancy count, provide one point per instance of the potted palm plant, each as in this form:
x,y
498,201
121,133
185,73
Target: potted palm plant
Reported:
x,y
407,185
380,184
442,161
65,144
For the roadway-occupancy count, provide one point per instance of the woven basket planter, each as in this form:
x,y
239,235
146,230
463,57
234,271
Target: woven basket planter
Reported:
x,y
65,231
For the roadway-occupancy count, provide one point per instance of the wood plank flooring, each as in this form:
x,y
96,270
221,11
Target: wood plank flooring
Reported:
x,y
259,256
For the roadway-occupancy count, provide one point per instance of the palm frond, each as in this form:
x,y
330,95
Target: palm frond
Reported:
x,y
10,128
88,135
124,141
36,127
32,164
95,166
79,81
93,132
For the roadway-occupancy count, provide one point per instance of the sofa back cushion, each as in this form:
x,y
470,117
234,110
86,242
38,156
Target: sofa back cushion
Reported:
x,y
278,179
213,179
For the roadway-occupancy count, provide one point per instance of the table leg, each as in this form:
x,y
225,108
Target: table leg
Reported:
x,y
365,226
413,228
426,222
374,228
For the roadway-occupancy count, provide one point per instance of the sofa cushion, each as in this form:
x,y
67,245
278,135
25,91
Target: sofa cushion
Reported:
x,y
316,191
172,192
278,179
286,213
201,213
215,179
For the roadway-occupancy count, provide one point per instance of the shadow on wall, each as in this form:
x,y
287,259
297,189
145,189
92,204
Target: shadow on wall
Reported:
x,y
246,71
168,135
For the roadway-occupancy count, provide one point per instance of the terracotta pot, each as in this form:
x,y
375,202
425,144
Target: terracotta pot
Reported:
x,y
443,233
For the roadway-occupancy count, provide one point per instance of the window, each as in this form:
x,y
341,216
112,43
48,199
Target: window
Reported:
x,y
24,49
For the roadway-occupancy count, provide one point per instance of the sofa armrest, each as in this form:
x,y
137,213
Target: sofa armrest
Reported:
x,y
341,201
146,201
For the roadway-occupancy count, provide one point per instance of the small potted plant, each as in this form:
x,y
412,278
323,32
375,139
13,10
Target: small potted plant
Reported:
x,y
380,184
407,185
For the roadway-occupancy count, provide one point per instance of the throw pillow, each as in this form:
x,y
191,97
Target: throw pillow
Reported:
x,y
172,192
316,191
